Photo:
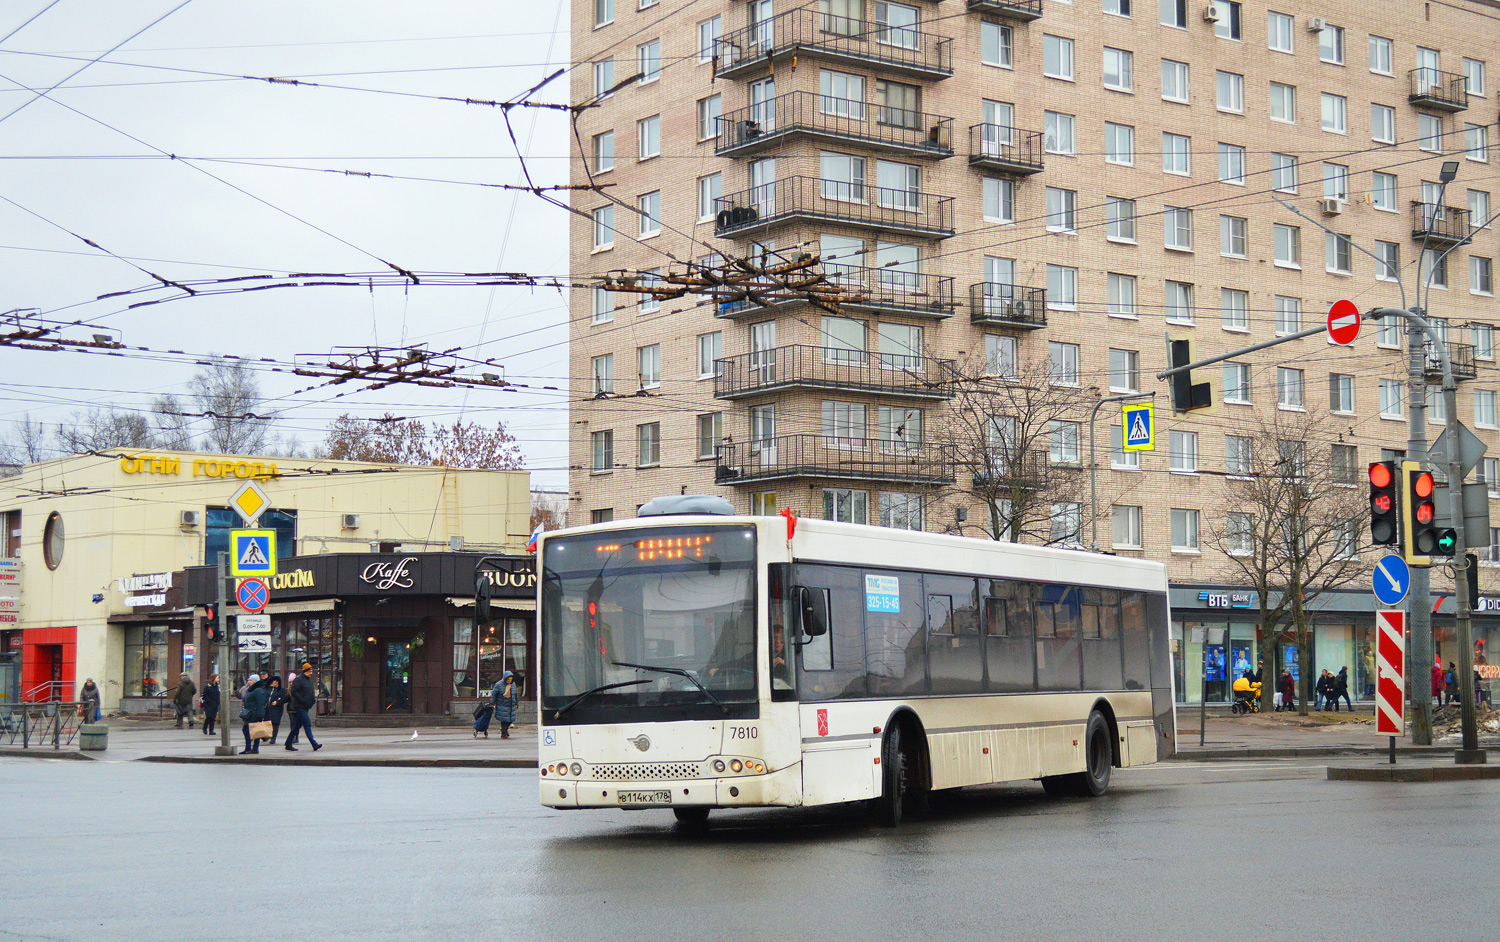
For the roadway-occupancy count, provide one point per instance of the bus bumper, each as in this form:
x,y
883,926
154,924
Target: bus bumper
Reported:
x,y
782,788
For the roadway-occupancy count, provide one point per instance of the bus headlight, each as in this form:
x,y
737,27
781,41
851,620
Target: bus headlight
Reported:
x,y
577,770
719,765
735,765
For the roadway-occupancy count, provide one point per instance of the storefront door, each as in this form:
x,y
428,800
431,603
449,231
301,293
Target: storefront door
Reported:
x,y
395,680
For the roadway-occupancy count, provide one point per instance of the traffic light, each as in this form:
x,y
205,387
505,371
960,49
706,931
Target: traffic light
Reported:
x,y
1385,522
211,623
1186,394
1422,537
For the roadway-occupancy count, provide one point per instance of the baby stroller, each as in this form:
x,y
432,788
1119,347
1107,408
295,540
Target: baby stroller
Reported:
x,y
1246,696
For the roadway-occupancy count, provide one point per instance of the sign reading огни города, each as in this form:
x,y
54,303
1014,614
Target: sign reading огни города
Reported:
x,y
226,467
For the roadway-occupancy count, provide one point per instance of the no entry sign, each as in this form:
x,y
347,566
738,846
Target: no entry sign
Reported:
x,y
1343,323
1390,673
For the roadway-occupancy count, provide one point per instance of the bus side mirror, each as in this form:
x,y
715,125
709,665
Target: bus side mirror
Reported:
x,y
483,592
812,612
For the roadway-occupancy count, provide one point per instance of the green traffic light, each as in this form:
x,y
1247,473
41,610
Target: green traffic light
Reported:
x,y
1446,542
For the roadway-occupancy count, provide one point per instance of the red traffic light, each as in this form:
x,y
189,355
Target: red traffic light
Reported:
x,y
1380,476
1421,485
1382,503
1424,513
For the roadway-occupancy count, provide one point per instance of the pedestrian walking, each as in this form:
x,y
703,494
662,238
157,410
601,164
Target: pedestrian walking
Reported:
x,y
276,701
304,697
1341,689
254,712
1437,684
1320,691
1288,689
90,698
505,695
1450,684
182,700
210,703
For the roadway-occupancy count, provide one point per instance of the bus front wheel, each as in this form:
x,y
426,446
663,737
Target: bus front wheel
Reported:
x,y
692,818
893,778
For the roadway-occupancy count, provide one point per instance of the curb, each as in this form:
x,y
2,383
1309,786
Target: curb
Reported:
x,y
350,763
45,753
1431,773
1304,752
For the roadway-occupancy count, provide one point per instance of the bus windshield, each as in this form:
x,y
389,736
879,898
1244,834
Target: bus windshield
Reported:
x,y
650,624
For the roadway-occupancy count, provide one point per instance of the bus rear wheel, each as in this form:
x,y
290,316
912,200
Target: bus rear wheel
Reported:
x,y
692,818
1098,758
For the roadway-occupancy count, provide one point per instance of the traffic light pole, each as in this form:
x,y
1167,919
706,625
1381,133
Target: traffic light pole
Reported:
x,y
225,656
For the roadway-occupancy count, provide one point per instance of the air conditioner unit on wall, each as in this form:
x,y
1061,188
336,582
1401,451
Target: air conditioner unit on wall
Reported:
x,y
1210,14
190,518
350,522
1331,207
1315,24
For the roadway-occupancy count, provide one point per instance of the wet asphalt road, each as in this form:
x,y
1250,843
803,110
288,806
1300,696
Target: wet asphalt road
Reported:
x,y
131,851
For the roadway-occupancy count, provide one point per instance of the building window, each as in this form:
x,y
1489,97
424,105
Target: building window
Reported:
x,y
1062,210
1336,182
898,105
710,188
900,429
1067,523
901,511
1182,452
1383,191
1430,133
1331,44
650,214
1289,388
1119,144
1288,315
649,304
1127,526
709,110
1176,153
648,60
710,350
1388,332
1000,356
1062,363
1063,442
1231,92
1278,31
1233,241
1335,113
1390,399
1232,164
604,305
1057,57
603,450
1284,173
648,444
648,133
1062,287
1477,142
1380,55
602,515
1283,102
1119,216
1383,124
763,504
1237,455
1119,458
1341,393
1436,264
604,77
709,32
1479,208
1119,69
1474,77
1344,461
604,12
1174,80
648,360
1234,306
710,431
846,506
604,228
218,521
1338,254
1484,342
1179,302
996,44
1288,245
1239,534
1177,228
1174,13
1121,295
1437,409
1184,531
1237,383
604,374
1117,7
999,200
1227,24
1059,136
146,671
604,152
1124,371
1484,408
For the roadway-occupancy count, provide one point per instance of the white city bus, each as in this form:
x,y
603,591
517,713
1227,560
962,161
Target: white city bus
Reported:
x,y
691,659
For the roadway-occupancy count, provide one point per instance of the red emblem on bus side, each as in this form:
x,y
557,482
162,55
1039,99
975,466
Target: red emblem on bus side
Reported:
x,y
822,722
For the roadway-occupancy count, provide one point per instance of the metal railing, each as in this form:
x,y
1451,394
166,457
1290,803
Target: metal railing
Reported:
x,y
1440,91
898,130
810,32
1012,150
996,304
807,367
37,725
1027,471
834,457
880,289
46,691
1439,223
793,199
1460,356
1024,10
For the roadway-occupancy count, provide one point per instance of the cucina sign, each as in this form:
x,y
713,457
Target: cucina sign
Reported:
x,y
294,579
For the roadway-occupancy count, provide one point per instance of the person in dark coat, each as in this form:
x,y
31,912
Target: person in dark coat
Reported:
x,y
1450,684
210,704
1321,691
276,701
182,700
304,697
256,696
506,696
89,697
1341,689
1288,690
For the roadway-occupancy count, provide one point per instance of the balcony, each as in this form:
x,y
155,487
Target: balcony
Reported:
x,y
1439,224
993,304
839,121
1022,10
1438,91
826,456
999,472
811,199
1460,356
804,367
1008,150
855,42
887,289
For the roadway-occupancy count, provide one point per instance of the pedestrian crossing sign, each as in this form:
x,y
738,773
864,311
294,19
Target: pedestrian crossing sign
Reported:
x,y
252,553
1140,427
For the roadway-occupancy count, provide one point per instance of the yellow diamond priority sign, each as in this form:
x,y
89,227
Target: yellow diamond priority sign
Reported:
x,y
249,502
252,553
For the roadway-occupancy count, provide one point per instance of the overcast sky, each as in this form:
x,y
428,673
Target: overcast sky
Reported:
x,y
79,170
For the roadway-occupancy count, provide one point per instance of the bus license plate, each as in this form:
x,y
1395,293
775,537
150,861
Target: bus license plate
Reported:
x,y
663,797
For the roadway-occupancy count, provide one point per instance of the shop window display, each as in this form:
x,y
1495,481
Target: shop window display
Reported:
x,y
146,661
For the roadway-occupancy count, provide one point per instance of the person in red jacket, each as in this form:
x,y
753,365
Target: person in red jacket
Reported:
x,y
1437,683
1288,690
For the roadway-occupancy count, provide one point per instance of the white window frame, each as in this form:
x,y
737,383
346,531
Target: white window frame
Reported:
x,y
999,200
1383,191
1232,317
1281,166
1382,59
1335,113
1114,135
649,206
1341,393
1057,54
1231,164
1279,26
1189,534
1392,399
1230,92
1001,39
1481,278
1291,389
1237,389
1176,81
1286,244
1062,210
1232,230
1119,77
1182,452
1332,51
1130,516
1119,219
710,352
1062,363
1382,123
1338,254
1122,295
604,228
1176,154
1062,290
648,61
1177,228
1060,133
1287,95
1178,300
1484,408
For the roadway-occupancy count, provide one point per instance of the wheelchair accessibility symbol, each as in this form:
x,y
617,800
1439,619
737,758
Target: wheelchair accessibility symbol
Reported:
x,y
549,737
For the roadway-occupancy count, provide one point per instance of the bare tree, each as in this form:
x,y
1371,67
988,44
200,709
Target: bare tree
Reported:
x,y
1015,433
105,427
228,395
1290,526
173,429
410,441
27,443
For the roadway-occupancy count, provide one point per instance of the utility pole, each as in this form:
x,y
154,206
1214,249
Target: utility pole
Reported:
x,y
223,657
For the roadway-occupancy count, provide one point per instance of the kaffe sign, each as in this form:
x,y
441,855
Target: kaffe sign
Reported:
x,y
1390,673
384,575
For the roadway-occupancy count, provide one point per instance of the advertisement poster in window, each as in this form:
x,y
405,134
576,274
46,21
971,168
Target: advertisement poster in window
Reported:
x,y
1214,669
1240,655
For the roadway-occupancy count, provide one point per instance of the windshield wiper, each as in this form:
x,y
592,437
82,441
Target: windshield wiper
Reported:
x,y
589,693
680,673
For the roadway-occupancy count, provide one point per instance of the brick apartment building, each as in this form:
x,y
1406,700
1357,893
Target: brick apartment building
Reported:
x,y
1000,183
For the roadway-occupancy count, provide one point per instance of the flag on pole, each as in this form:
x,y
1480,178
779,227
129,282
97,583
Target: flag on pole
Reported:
x,y
535,535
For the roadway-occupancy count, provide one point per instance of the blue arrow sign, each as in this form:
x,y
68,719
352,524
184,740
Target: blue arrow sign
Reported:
x,y
1392,580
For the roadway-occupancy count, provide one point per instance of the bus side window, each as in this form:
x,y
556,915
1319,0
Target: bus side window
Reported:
x,y
1009,659
994,618
955,652
1133,634
832,664
1102,669
1059,661
780,621
817,651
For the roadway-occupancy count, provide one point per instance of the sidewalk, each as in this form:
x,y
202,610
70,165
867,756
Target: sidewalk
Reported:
x,y
1288,735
